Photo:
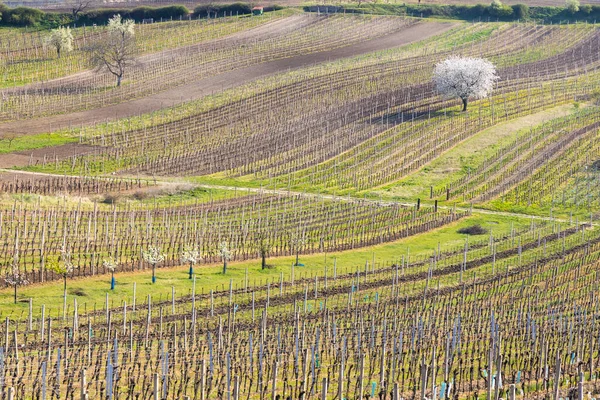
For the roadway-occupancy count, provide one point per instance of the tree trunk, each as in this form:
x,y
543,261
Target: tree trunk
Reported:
x,y
65,286
264,260
224,267
15,294
296,258
153,273
119,80
465,101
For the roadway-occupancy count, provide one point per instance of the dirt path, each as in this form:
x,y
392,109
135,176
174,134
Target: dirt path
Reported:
x,y
203,87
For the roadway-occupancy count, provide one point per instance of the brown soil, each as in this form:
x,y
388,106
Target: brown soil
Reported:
x,y
211,85
36,156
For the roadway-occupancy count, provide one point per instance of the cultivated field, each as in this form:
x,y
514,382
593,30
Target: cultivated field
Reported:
x,y
325,224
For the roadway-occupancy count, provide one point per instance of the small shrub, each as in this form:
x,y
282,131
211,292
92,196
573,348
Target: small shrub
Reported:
x,y
77,292
140,195
473,230
110,199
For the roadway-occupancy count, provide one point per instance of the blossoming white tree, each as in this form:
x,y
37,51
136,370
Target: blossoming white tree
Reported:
x,y
111,265
115,51
191,256
464,78
61,39
225,255
15,278
153,257
61,266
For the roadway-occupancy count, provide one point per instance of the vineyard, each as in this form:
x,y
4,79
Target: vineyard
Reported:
x,y
283,206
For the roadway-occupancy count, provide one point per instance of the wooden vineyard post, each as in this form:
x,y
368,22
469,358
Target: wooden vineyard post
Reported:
x,y
341,376
236,387
423,379
202,378
512,392
362,376
11,393
324,389
580,387
556,376
396,392
490,371
30,315
155,387
498,376
83,385
274,382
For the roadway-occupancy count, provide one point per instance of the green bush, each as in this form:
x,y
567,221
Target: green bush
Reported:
x,y
499,10
24,16
170,12
520,11
572,6
204,10
140,13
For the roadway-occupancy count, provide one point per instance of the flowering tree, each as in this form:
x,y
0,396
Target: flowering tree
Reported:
x,y
153,257
15,278
62,266
225,255
111,265
115,51
191,257
465,77
61,39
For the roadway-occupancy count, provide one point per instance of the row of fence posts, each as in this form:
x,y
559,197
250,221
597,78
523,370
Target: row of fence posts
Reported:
x,y
233,393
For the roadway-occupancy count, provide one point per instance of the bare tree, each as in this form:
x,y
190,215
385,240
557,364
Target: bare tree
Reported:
x,y
297,242
115,51
9,137
264,250
79,7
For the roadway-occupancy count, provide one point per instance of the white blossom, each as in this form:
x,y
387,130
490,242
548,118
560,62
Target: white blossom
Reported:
x,y
123,26
224,251
109,264
153,256
190,256
464,77
61,39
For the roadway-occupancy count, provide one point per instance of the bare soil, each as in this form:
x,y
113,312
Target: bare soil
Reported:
x,y
48,154
207,86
